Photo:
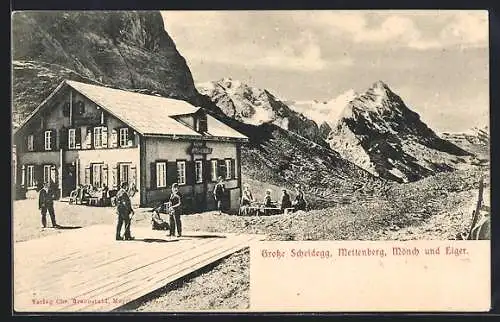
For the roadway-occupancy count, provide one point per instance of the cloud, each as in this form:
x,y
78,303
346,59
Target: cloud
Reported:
x,y
467,28
224,37
399,29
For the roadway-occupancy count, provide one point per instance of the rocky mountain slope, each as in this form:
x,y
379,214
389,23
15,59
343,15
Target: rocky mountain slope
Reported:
x,y
377,131
129,50
475,140
257,106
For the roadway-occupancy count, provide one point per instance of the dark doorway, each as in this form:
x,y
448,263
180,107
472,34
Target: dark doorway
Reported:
x,y
68,179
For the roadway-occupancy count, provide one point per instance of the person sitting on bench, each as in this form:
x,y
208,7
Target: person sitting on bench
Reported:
x,y
268,203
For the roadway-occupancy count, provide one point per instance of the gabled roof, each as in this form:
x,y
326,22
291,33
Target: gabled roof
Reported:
x,y
147,114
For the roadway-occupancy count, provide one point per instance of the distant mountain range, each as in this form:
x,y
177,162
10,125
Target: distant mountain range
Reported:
x,y
374,130
257,106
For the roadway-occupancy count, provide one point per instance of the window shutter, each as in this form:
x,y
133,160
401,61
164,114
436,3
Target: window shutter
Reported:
x,y
88,139
38,141
80,107
202,123
104,136
152,167
38,169
133,175
53,140
78,138
105,175
114,177
130,137
233,169
171,172
190,172
114,138
66,109
222,169
63,138
87,175
207,171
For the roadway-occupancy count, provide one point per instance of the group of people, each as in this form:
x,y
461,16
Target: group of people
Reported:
x,y
84,192
299,203
125,212
173,206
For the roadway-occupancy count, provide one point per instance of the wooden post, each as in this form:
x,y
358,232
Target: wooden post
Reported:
x,y
475,213
77,171
61,159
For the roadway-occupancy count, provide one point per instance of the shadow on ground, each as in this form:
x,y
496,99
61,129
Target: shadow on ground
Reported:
x,y
66,227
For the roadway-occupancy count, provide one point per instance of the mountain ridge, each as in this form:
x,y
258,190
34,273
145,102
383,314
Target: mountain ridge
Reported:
x,y
378,131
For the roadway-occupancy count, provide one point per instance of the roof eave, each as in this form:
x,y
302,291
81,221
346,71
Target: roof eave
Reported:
x,y
196,137
40,106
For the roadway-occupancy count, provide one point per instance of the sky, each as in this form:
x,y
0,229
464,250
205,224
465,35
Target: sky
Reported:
x,y
437,61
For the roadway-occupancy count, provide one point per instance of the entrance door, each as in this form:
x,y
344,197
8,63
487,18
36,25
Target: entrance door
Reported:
x,y
68,179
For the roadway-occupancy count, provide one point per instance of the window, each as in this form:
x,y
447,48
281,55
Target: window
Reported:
x,y
124,173
72,138
161,174
31,176
46,172
124,136
201,123
228,168
48,139
97,170
214,170
181,172
23,175
31,142
198,169
98,137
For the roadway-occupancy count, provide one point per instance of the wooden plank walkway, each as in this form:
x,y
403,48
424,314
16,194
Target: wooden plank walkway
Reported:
x,y
87,270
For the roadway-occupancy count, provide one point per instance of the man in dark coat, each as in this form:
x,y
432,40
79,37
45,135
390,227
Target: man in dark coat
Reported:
x,y
46,203
175,211
124,211
218,192
285,200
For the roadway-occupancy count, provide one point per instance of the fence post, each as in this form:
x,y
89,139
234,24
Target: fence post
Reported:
x,y
475,213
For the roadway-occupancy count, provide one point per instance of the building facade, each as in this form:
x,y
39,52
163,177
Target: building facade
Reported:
x,y
93,135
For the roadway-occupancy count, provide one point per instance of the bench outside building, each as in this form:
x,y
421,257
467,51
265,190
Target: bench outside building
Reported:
x,y
85,134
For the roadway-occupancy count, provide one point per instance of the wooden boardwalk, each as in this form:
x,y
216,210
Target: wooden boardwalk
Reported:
x,y
87,270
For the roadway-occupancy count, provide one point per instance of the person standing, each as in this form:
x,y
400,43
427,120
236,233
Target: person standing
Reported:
x,y
300,202
176,211
246,199
46,204
124,211
219,191
285,200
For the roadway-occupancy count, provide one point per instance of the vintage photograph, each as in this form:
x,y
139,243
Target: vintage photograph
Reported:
x,y
151,148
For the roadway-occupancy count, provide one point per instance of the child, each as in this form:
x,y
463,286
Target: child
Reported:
x,y
157,221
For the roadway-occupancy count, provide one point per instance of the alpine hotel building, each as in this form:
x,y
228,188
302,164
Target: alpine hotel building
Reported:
x,y
88,134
